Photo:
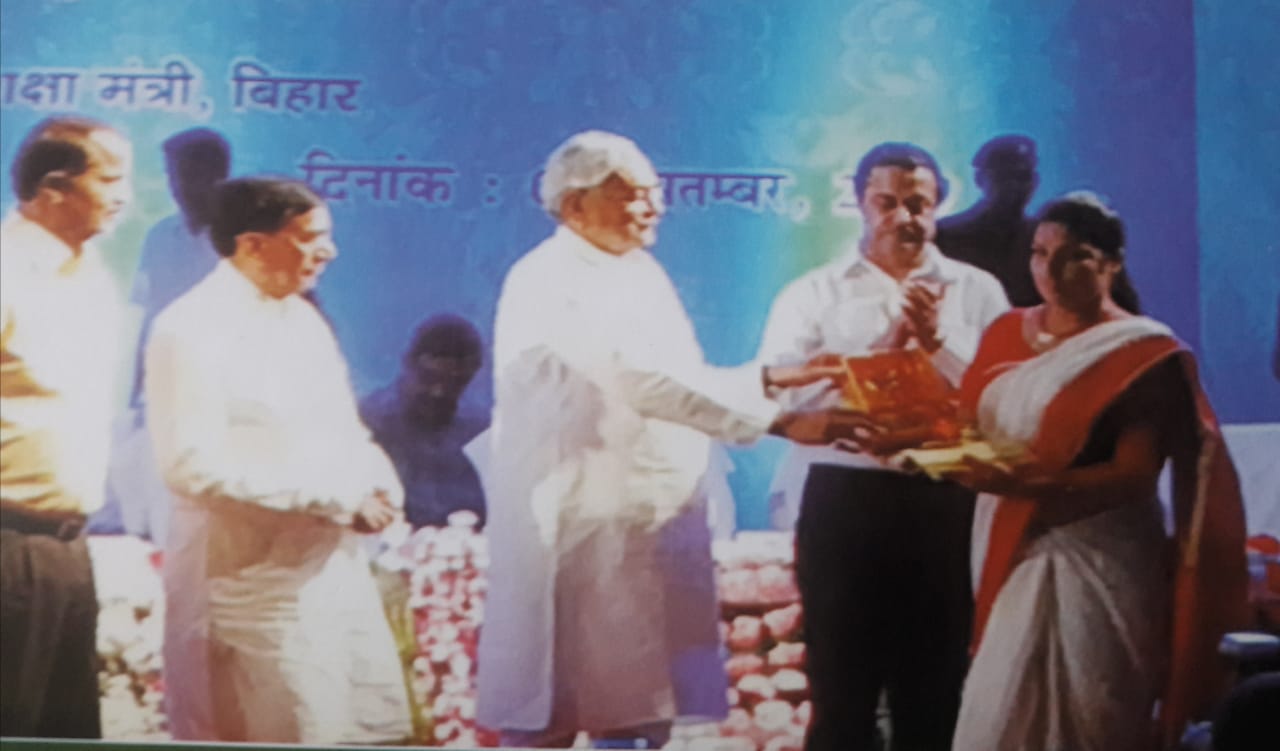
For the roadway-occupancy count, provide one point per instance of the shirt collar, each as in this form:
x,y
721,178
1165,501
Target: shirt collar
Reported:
x,y
854,263
580,247
235,283
41,251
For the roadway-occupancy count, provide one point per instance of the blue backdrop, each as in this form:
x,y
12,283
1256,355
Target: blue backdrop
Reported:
x,y
1157,104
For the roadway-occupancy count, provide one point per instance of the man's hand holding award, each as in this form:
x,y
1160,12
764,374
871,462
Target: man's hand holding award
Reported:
x,y
917,423
896,406
816,426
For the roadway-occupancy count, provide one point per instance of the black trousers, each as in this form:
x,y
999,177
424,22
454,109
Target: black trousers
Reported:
x,y
882,562
48,635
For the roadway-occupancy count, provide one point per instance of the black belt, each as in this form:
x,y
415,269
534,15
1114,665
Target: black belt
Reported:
x,y
65,527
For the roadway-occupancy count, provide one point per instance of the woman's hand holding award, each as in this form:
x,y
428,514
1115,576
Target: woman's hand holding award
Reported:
x,y
912,415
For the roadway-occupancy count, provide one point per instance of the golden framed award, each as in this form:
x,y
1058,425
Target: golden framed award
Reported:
x,y
903,392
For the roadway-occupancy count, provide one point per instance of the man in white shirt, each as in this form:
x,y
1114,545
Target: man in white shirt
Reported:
x,y
274,630
59,314
882,558
601,614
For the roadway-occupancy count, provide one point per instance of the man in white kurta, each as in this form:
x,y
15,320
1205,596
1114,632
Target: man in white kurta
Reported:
x,y
274,631
601,614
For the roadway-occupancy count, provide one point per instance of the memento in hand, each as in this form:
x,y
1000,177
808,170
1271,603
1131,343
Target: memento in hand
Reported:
x,y
904,393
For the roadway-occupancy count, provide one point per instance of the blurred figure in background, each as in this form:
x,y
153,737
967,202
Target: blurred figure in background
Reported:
x,y
176,254
417,422
995,234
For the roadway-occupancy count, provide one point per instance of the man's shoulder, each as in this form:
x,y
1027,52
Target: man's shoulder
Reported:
x,y
377,405
541,271
195,307
471,421
20,243
806,284
99,277
10,229
14,254
966,271
535,259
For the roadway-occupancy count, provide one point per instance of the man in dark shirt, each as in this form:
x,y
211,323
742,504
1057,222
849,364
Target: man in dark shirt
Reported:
x,y
417,421
995,234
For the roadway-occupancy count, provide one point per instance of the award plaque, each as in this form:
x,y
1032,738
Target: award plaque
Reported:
x,y
903,391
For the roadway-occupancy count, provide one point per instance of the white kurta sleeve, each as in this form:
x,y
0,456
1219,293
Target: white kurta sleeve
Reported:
x,y
725,403
566,352
791,332
364,458
675,384
202,457
984,300
546,371
792,335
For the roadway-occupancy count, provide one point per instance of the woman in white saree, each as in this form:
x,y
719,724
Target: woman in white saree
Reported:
x,y
1086,631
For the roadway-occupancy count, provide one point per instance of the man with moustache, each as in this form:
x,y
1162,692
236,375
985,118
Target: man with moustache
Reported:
x,y
882,558
601,614
274,630
59,314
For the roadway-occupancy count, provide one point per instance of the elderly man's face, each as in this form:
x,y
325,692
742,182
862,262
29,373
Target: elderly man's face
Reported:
x,y
898,208
617,215
292,259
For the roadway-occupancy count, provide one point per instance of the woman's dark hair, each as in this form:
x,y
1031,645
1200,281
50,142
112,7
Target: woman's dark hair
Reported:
x,y
1089,220
256,204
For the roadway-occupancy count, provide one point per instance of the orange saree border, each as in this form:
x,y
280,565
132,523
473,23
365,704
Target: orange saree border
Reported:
x,y
1210,580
